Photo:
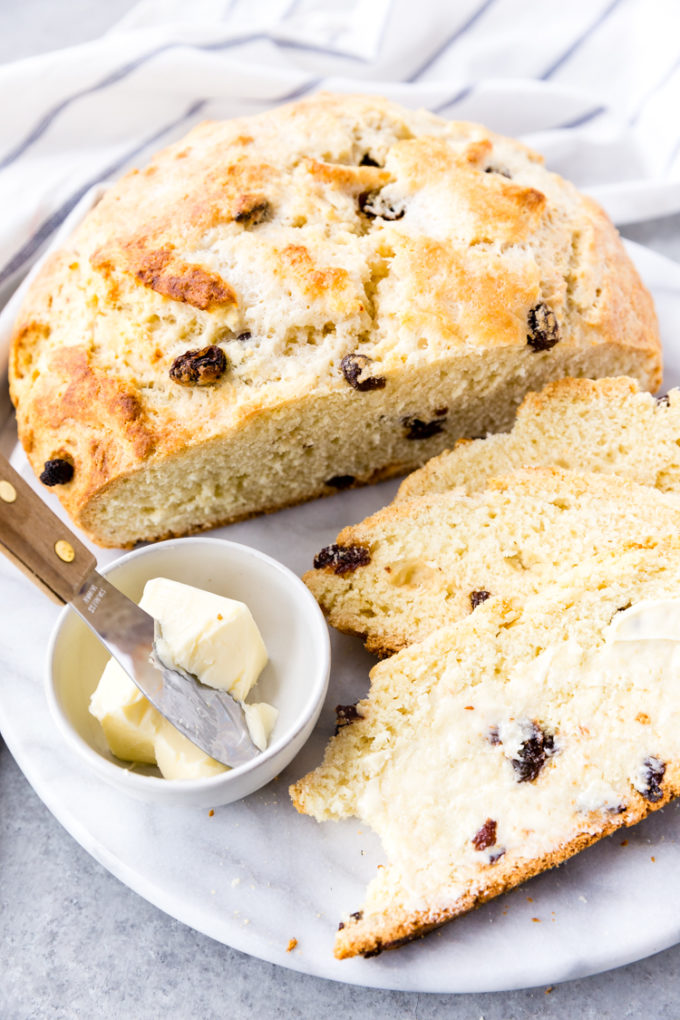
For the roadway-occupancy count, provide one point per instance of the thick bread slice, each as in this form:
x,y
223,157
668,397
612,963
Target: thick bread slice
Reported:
x,y
283,305
605,425
421,563
503,744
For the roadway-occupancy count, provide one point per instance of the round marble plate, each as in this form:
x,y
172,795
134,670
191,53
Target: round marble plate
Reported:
x,y
256,874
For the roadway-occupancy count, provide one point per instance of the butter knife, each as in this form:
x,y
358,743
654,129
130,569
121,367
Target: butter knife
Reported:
x,y
44,549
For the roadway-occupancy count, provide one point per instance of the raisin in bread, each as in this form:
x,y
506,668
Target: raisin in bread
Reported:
x,y
283,305
501,745
605,425
421,563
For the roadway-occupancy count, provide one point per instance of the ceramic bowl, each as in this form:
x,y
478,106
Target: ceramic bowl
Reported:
x,y
295,679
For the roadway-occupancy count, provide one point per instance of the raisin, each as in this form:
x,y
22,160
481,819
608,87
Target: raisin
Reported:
x,y
663,401
496,854
503,171
342,558
486,836
494,737
477,597
418,429
199,368
353,365
651,776
252,209
367,160
373,205
357,915
544,331
441,412
341,926
340,481
57,472
344,715
245,335
532,755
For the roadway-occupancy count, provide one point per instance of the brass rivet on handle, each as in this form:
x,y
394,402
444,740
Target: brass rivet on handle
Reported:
x,y
7,491
64,551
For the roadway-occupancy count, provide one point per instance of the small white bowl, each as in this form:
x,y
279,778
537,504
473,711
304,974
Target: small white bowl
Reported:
x,y
295,679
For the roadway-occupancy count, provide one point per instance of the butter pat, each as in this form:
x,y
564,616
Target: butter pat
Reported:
x,y
260,719
129,721
214,638
178,758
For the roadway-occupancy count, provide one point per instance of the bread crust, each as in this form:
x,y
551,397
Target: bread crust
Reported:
x,y
277,239
359,940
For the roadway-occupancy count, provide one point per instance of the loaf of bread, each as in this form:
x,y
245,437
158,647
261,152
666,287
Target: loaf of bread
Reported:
x,y
605,425
421,563
281,306
501,745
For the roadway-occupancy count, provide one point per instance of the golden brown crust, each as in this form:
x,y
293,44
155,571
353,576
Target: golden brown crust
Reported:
x,y
160,270
280,229
356,939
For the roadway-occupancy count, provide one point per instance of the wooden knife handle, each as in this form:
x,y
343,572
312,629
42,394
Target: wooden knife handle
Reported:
x,y
36,540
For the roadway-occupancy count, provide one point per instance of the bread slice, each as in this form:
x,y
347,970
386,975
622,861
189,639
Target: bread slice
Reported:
x,y
320,296
421,563
605,425
501,745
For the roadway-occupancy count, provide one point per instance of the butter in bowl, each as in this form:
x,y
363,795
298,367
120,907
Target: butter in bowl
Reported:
x,y
282,678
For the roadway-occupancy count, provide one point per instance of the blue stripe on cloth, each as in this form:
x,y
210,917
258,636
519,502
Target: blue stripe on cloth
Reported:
x,y
665,78
578,42
584,118
460,31
457,98
48,226
118,75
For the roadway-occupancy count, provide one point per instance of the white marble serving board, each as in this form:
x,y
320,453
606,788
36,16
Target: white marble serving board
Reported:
x,y
256,874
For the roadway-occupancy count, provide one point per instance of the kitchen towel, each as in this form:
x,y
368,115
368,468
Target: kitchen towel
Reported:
x,y
593,84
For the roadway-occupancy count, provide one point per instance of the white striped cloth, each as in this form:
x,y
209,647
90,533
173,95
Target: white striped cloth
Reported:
x,y
593,84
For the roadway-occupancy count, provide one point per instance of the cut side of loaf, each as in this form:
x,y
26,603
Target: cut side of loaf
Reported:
x,y
501,745
419,564
284,305
603,425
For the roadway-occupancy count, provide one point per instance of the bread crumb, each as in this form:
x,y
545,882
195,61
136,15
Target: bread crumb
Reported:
x,y
624,842
211,813
537,920
291,945
549,989
235,882
653,860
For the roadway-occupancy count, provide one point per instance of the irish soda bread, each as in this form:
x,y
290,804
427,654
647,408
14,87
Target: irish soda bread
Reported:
x,y
419,564
604,425
281,306
503,744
